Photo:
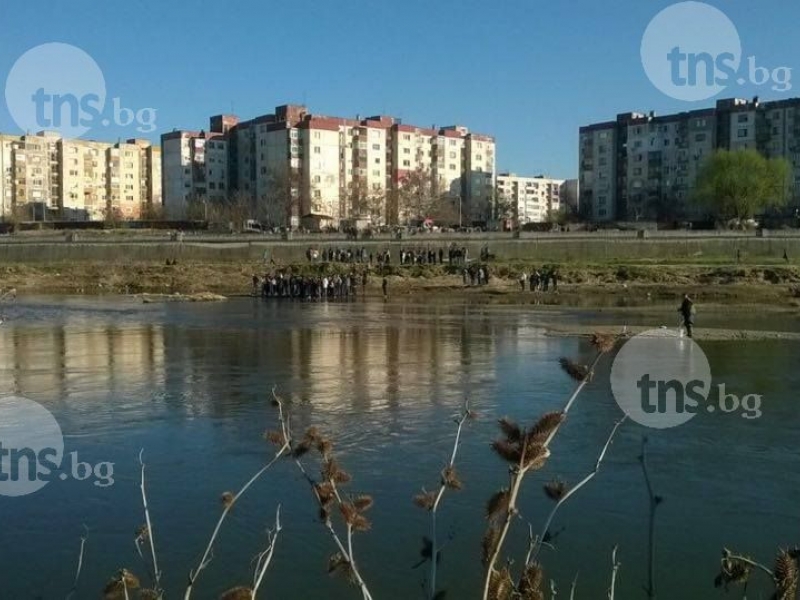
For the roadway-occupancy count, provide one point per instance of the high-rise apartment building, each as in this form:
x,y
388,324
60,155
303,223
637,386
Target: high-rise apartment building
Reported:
x,y
45,176
531,199
642,166
293,166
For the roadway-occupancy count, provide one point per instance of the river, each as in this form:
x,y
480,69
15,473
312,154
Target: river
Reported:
x,y
190,385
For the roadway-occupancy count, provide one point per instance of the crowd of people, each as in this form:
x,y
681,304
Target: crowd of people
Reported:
x,y
280,284
406,256
540,281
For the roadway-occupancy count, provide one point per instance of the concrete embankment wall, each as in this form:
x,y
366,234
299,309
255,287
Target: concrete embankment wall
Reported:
x,y
554,248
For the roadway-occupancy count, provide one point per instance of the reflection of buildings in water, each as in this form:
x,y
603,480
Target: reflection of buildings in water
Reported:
x,y
65,362
384,356
370,361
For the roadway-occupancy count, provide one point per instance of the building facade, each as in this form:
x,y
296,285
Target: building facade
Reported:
x,y
47,177
642,166
293,167
531,199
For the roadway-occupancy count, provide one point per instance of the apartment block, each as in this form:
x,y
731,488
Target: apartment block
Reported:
x,y
47,177
194,164
643,166
294,167
533,199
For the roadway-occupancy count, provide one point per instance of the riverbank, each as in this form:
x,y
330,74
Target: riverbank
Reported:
x,y
579,285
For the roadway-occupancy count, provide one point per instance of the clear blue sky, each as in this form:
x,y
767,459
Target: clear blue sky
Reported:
x,y
526,71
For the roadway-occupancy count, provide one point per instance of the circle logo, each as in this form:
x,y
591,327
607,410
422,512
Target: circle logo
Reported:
x,y
660,380
31,446
56,87
691,51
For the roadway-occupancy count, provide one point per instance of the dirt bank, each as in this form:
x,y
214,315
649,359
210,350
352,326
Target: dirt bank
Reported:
x,y
589,285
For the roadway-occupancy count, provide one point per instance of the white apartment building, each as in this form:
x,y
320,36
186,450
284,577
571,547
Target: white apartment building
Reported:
x,y
294,166
534,199
194,167
47,177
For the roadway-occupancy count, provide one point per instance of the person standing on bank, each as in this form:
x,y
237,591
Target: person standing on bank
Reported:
x,y
385,285
687,311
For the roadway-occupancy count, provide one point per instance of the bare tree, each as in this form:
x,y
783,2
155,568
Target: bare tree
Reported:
x,y
280,202
417,194
364,203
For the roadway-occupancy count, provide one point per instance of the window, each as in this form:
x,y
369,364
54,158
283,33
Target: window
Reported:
x,y
700,123
452,167
317,178
744,118
376,146
637,172
317,194
378,160
700,137
452,155
406,137
316,135
743,132
406,163
317,150
406,150
376,173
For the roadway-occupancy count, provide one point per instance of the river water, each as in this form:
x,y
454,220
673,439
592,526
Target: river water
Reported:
x,y
189,384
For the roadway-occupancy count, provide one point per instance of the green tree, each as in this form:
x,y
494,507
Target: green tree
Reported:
x,y
740,184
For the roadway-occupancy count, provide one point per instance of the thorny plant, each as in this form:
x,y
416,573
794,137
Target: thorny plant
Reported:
x,y
125,585
736,569
526,450
329,498
430,501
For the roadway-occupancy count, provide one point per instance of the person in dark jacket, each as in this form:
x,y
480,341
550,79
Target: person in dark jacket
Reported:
x,y
687,312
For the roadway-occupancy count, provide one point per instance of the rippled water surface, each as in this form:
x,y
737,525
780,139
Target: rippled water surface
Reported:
x,y
190,383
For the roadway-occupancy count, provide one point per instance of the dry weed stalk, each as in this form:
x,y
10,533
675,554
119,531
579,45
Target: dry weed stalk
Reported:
x,y
615,565
736,569
145,534
79,568
283,440
263,561
527,450
654,502
326,493
430,501
118,586
561,493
